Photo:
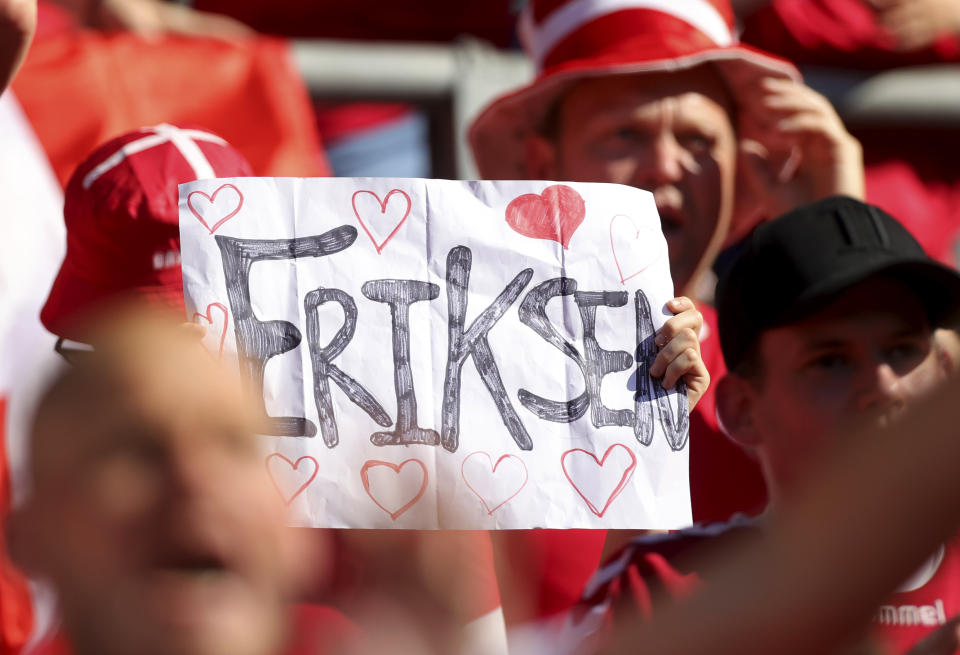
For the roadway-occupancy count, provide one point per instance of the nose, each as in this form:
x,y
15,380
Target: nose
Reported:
x,y
882,391
189,472
663,164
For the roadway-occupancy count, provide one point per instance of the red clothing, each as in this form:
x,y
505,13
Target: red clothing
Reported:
x,y
842,33
724,479
657,569
16,616
927,600
252,96
421,20
912,176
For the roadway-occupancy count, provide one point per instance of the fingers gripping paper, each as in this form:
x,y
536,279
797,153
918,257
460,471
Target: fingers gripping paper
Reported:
x,y
438,354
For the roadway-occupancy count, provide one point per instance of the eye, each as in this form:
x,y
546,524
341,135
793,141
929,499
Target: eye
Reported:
x,y
827,362
904,355
621,139
695,141
625,135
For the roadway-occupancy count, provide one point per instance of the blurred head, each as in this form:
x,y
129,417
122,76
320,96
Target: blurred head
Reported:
x,y
18,22
121,212
151,512
669,133
828,320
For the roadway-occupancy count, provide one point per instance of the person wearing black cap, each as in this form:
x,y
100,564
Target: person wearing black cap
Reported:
x,y
831,315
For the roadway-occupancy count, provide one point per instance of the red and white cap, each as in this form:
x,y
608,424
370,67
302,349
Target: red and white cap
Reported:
x,y
121,214
570,40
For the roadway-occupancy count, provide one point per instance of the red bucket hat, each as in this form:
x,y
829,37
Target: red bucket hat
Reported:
x,y
570,40
121,214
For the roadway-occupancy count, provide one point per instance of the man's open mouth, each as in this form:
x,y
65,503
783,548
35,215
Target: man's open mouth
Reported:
x,y
671,221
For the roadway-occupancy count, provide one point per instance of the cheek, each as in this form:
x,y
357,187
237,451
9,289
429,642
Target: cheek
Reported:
x,y
123,491
90,547
924,378
800,417
577,162
707,192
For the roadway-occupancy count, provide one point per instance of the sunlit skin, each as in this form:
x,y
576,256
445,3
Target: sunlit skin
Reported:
x,y
671,134
865,357
151,512
18,21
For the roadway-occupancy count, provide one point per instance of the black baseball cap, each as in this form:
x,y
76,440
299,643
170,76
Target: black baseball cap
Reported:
x,y
791,267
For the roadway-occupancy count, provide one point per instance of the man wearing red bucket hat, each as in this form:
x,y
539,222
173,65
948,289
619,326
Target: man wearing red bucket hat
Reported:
x,y
660,95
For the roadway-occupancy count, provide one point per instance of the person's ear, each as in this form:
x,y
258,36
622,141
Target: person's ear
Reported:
x,y
946,343
540,158
736,400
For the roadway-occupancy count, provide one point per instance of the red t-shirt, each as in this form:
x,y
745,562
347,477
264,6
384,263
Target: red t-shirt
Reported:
x,y
724,479
658,569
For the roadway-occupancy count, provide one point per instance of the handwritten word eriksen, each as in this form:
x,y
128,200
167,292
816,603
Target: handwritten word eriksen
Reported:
x,y
258,341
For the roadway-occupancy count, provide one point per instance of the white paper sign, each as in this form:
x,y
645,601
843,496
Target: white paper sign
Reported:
x,y
439,354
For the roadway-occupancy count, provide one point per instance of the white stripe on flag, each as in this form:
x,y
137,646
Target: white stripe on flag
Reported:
x,y
183,140
540,40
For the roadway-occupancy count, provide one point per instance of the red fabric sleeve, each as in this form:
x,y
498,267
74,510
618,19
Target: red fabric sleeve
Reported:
x,y
841,33
252,96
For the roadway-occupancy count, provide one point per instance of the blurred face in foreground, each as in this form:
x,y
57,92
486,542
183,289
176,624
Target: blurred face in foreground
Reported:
x,y
863,358
151,511
671,134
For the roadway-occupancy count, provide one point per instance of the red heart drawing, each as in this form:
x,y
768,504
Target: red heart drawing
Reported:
x,y
365,477
493,473
383,210
288,497
208,317
624,477
555,214
212,208
646,258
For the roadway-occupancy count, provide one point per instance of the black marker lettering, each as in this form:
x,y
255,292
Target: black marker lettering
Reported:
x,y
323,369
258,341
599,362
473,342
400,294
648,389
534,315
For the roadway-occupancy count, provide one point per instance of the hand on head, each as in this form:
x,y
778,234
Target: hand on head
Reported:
x,y
917,24
796,153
